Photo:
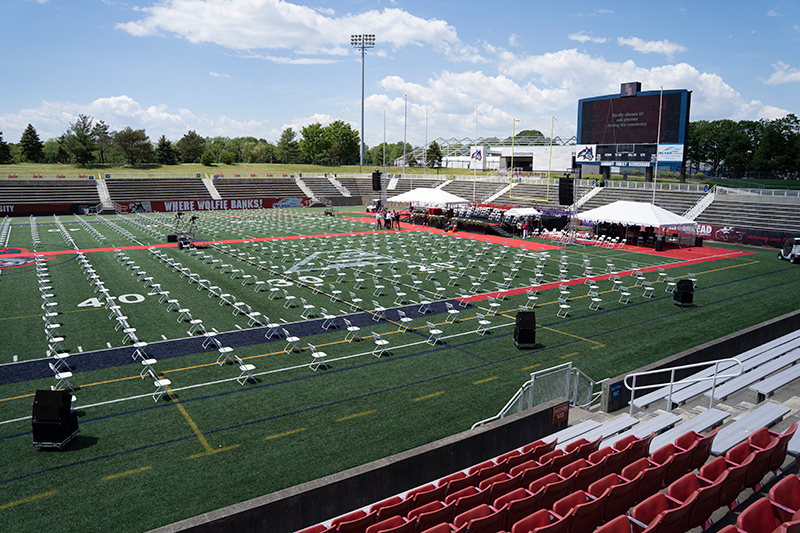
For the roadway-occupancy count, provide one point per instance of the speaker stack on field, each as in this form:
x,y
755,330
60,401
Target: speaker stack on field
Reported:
x,y
525,330
684,293
55,423
376,180
565,191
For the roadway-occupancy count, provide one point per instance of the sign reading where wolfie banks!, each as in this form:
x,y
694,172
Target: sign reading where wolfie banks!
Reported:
x,y
212,205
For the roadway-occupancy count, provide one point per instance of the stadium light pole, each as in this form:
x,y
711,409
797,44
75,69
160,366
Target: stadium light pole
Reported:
x,y
362,42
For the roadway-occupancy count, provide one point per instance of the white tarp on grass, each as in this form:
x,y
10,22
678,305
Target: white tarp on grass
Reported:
x,y
428,198
638,214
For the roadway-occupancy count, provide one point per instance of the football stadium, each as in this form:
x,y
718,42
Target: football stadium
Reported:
x,y
189,354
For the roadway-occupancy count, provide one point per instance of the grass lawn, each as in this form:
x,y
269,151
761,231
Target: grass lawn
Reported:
x,y
139,464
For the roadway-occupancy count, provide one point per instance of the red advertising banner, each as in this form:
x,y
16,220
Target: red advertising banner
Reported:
x,y
734,235
230,204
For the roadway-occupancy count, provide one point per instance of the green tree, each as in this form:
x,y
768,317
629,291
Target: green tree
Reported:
x,y
54,152
79,141
191,147
535,135
166,153
313,143
134,144
288,149
102,138
226,157
343,143
207,159
31,147
5,151
433,156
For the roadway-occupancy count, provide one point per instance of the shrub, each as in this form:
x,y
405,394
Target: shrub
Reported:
x,y
207,159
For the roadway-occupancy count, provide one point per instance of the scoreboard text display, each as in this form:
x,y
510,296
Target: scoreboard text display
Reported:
x,y
625,128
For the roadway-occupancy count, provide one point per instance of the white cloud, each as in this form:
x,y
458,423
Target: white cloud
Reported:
x,y
583,37
51,119
281,25
216,75
513,40
783,74
652,47
598,12
291,61
773,13
39,1
769,112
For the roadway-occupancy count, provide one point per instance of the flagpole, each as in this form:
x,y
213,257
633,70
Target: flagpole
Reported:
x,y
658,140
474,170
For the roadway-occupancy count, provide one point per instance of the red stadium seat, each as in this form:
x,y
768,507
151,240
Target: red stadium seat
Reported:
x,y
434,517
554,486
586,511
779,452
498,488
427,508
660,514
541,521
319,528
539,448
586,473
706,497
786,492
391,525
713,469
620,524
359,525
734,483
452,477
529,471
428,493
518,508
759,517
620,495
347,518
478,512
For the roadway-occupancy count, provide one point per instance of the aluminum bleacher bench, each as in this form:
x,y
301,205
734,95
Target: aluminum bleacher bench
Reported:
x,y
765,416
572,432
657,424
765,352
705,420
619,424
767,388
758,373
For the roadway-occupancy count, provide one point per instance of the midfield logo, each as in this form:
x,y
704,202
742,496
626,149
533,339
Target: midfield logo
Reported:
x,y
319,261
16,257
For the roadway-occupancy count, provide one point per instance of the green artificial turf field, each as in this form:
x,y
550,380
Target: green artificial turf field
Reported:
x,y
139,464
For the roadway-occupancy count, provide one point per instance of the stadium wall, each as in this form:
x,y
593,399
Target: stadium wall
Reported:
x,y
314,502
616,396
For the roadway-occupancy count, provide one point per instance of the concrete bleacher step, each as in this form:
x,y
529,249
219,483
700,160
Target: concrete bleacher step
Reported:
x,y
657,424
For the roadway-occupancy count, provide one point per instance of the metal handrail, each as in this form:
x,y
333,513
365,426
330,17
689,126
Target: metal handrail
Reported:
x,y
672,381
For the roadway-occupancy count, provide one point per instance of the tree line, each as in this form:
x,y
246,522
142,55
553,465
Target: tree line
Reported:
x,y
720,147
747,148
89,142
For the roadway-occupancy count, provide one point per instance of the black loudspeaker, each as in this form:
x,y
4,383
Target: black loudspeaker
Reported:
x,y
376,180
684,293
50,405
660,245
565,191
525,329
54,423
172,237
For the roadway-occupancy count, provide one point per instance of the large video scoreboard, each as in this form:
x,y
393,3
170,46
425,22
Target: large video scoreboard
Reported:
x,y
622,130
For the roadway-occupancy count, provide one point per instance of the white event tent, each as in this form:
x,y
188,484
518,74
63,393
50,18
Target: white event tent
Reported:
x,y
523,212
639,214
429,198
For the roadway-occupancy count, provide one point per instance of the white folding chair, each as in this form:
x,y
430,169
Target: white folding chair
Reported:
x,y
434,334
329,319
318,358
308,309
563,308
494,305
291,340
483,324
161,387
355,301
404,321
62,377
624,295
380,345
452,313
648,289
246,370
378,311
401,296
352,331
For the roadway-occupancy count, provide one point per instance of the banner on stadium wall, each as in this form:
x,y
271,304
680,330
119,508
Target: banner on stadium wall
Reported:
x,y
43,210
477,157
734,235
231,204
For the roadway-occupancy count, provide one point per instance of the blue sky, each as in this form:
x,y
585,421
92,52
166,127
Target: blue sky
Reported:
x,y
254,67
